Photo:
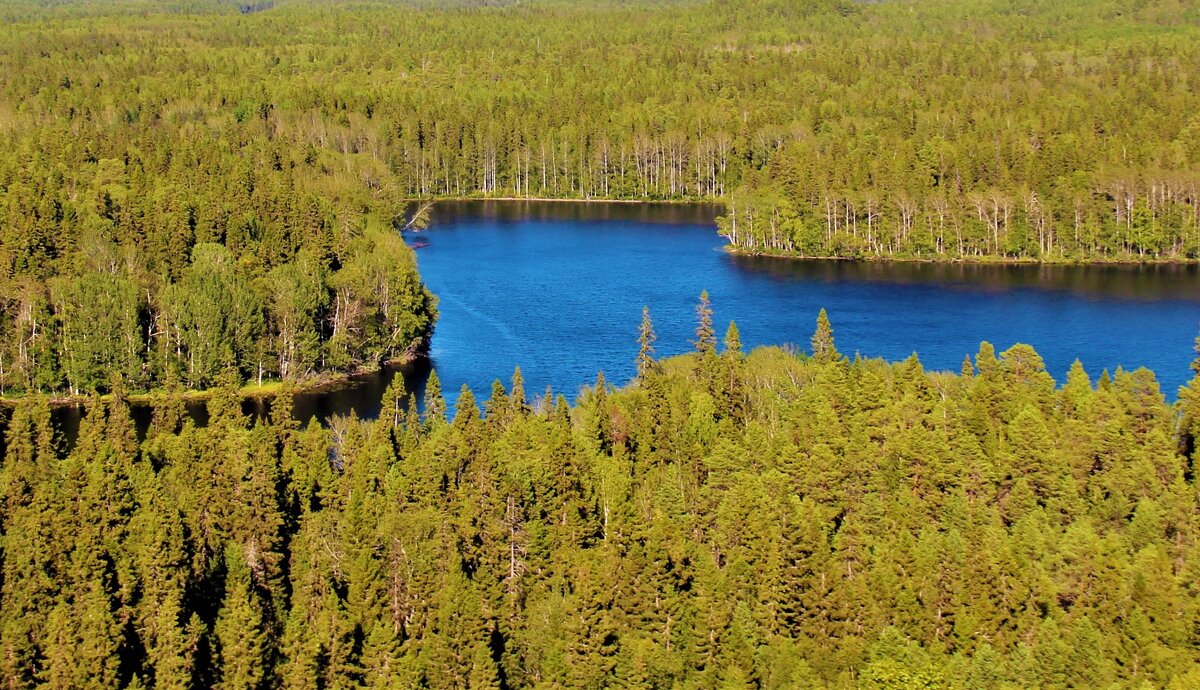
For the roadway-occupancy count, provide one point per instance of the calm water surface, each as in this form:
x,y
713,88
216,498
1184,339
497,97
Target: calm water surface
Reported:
x,y
558,289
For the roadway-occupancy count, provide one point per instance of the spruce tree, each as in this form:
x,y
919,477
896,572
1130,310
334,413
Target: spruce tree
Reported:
x,y
646,338
733,341
706,337
1189,414
172,654
392,406
241,634
516,394
483,675
435,404
823,348
967,371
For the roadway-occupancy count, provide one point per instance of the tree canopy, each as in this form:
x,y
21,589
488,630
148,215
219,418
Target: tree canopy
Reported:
x,y
133,136
768,520
198,193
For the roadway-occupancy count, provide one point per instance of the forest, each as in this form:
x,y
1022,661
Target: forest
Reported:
x,y
726,520
1059,132
206,195
164,167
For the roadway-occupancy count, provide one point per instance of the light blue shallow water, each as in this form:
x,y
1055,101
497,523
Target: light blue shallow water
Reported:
x,y
558,289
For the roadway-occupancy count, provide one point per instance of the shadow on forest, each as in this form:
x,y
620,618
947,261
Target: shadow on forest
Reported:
x,y
358,395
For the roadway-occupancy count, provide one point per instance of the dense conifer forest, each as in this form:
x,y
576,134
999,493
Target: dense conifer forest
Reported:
x,y
270,145
725,521
201,194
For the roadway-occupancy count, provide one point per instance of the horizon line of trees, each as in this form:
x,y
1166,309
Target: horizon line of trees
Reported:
x,y
129,141
1116,216
847,130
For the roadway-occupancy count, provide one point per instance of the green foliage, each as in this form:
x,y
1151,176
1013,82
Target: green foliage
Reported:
x,y
295,321
777,522
646,339
706,336
1073,141
194,196
98,323
292,137
823,348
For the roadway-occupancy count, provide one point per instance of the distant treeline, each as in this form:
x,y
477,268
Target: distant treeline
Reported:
x,y
933,129
768,521
1050,131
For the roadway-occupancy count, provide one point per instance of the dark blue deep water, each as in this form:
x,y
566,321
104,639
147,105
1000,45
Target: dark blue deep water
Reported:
x,y
558,288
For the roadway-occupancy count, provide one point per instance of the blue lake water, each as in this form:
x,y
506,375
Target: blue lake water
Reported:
x,y
558,289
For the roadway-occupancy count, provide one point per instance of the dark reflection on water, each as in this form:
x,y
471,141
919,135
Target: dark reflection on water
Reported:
x,y
451,212
558,290
360,395
68,418
1154,282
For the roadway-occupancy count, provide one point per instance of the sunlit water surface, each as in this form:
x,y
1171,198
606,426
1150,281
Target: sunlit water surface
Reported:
x,y
558,288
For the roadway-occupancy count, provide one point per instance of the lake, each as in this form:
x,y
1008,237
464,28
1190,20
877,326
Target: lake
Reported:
x,y
557,288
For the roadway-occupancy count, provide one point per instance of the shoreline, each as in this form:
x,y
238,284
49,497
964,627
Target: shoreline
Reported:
x,y
963,260
732,249
544,199
329,380
251,391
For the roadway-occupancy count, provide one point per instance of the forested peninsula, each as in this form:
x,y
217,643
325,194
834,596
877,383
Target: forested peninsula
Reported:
x,y
185,188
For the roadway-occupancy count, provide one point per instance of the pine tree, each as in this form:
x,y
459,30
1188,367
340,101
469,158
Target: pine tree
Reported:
x,y
381,656
282,416
496,407
120,430
600,419
172,654
728,387
516,394
466,410
435,404
451,653
1189,413
483,675
83,640
17,654
591,633
733,341
967,370
392,406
